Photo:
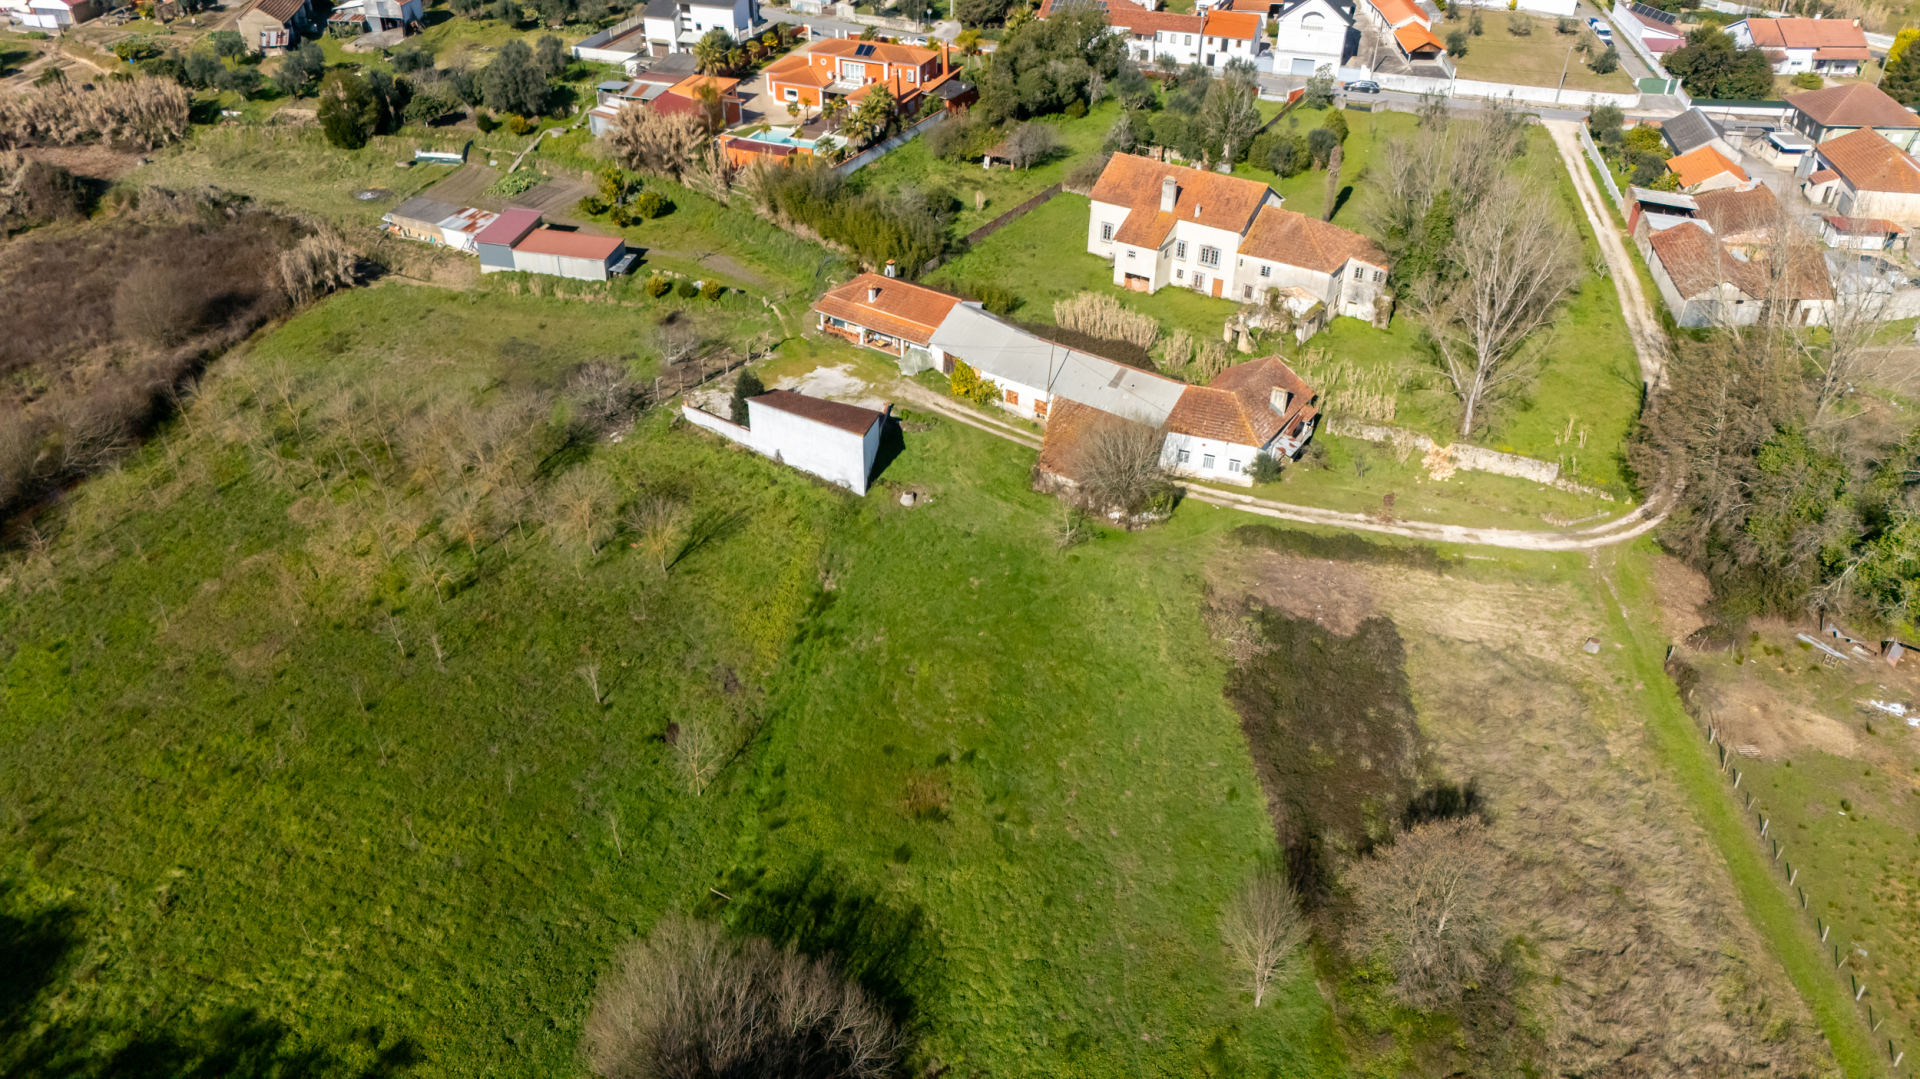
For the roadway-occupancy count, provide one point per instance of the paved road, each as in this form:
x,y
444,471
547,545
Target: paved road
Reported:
x,y
1652,105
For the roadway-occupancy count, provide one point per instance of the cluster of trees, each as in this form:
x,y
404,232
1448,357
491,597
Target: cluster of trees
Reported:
x,y
909,227
1900,76
355,107
1288,153
1792,495
1640,148
1206,120
1713,67
1482,260
1051,65
554,13
717,53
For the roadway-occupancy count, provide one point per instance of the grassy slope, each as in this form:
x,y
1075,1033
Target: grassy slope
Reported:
x,y
1762,889
223,800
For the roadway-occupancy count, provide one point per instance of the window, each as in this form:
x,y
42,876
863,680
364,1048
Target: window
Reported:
x,y
1209,256
1313,20
1232,465
1181,274
1189,40
1012,398
1378,276
1039,410
793,95
1106,234
1266,271
1180,250
1185,456
1129,254
1359,274
1206,460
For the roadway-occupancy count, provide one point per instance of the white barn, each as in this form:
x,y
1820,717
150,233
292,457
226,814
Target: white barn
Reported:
x,y
834,441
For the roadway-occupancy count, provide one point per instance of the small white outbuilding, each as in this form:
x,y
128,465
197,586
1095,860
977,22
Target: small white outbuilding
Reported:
x,y
835,441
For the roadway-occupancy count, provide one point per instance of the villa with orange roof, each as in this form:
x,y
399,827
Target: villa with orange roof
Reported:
x,y
1828,46
1707,169
721,110
852,69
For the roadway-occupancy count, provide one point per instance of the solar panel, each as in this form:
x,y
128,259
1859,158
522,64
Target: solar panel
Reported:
x,y
864,50
1654,13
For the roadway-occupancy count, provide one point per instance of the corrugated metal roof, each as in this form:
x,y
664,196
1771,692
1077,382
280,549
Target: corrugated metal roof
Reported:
x,y
513,223
996,348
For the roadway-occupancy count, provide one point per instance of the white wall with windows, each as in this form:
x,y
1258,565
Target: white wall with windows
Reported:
x,y
1208,459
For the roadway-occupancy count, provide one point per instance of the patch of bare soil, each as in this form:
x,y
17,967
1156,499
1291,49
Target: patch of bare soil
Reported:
x,y
1683,593
1751,714
96,162
1333,595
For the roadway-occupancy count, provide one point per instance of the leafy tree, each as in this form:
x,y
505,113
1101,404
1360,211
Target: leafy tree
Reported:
x,y
202,69
1712,67
426,108
348,110
1606,63
746,385
1321,144
1044,65
392,95
550,56
512,83
411,59
1604,123
1457,42
710,52
1133,89
967,384
464,85
1336,122
977,13
555,12
300,69
1901,80
227,44
133,49
1228,119
244,81
870,122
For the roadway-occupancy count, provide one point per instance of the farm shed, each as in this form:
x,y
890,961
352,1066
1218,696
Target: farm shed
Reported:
x,y
837,442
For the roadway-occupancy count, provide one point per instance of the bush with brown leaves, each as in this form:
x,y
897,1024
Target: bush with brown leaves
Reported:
x,y
139,113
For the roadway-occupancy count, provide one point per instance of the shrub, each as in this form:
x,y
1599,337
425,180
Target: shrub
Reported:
x,y
592,206
1807,80
712,290
1336,122
484,121
143,112
1266,468
136,48
1605,63
348,110
425,109
686,289
1566,24
1076,110
658,287
1520,25
967,385
1457,43
519,125
1085,173
514,183
1320,146
651,204
998,299
687,1002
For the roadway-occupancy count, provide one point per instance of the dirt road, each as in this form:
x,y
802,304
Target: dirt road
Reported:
x,y
1649,340
1642,520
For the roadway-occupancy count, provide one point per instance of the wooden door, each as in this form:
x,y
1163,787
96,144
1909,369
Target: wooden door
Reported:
x,y
1216,287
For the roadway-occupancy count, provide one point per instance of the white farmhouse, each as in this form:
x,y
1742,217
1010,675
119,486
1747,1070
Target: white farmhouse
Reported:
x,y
837,442
1828,46
1165,224
1230,35
1309,35
1863,175
1342,270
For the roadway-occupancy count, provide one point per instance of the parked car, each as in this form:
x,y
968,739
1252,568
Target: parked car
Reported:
x,y
1363,86
1600,30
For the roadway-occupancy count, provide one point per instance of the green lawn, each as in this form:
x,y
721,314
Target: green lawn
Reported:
x,y
1535,59
295,780
1307,192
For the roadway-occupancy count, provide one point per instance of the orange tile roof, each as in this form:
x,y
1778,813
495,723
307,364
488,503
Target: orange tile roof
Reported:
x,y
1696,263
578,245
902,309
1806,33
1223,202
690,86
1734,213
911,55
1702,165
1397,12
1821,176
1295,239
1139,20
1234,24
795,71
1870,163
1863,226
1067,423
1856,104
849,418
1413,37
1237,406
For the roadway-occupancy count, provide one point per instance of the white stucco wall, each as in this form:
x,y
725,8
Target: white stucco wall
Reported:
x,y
834,455
1225,455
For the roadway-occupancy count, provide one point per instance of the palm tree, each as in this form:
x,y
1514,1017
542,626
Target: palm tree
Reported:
x,y
736,58
710,52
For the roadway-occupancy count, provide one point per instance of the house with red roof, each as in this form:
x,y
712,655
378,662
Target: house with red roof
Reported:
x,y
1706,169
1163,224
1230,35
710,97
851,69
1409,29
890,315
1864,175
1706,282
517,242
1824,115
1826,46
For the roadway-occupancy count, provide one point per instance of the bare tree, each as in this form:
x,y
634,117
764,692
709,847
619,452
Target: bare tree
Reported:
x,y
660,524
1030,144
1117,462
1861,298
1514,263
1424,906
698,753
687,1003
1262,928
1228,118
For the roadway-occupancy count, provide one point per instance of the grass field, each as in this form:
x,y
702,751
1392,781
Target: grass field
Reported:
x,y
1535,59
276,793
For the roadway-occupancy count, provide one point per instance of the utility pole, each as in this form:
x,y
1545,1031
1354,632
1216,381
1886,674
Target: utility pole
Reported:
x,y
1564,66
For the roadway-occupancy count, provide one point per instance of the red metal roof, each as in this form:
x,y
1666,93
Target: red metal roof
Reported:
x,y
566,244
507,229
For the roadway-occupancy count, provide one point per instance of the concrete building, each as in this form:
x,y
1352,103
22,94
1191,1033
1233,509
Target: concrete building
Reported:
x,y
1706,283
516,242
674,25
1863,175
271,27
1311,34
836,442
1227,36
1824,115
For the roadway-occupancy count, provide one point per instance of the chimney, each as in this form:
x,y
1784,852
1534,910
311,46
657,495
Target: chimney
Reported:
x,y
873,294
1278,398
891,271
945,64
1169,188
1196,211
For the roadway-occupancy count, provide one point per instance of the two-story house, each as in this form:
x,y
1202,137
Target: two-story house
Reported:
x,y
1341,269
1230,35
1828,46
674,25
1164,224
1863,175
1309,35
850,68
1164,39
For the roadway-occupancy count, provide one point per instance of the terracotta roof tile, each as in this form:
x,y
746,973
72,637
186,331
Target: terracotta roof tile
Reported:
x,y
1696,263
1238,405
1398,11
1870,163
282,10
1856,104
1702,165
1805,33
1234,24
1822,176
850,418
1414,37
901,309
1223,202
910,55
1863,226
1067,423
578,245
1733,213
1296,239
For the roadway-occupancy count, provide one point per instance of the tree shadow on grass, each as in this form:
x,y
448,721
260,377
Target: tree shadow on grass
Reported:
x,y
819,912
37,948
